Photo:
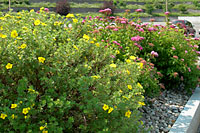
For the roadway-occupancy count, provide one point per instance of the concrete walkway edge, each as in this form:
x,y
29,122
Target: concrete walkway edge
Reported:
x,y
189,119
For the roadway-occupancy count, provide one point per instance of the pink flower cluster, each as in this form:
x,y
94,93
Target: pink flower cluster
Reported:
x,y
153,53
139,10
167,13
137,38
121,20
115,42
139,46
106,11
150,29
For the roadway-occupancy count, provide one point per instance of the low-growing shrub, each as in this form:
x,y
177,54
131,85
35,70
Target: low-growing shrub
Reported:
x,y
62,7
63,79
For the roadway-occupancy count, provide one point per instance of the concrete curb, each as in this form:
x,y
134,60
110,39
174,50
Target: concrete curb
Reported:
x,y
189,119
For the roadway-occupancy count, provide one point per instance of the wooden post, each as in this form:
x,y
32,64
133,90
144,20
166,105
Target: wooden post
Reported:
x,y
166,5
9,5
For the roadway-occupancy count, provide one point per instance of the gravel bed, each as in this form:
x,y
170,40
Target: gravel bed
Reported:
x,y
160,113
198,131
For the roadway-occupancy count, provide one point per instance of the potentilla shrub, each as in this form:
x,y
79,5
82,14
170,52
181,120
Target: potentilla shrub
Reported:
x,y
56,78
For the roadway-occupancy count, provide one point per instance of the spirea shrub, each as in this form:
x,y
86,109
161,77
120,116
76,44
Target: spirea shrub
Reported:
x,y
56,78
167,55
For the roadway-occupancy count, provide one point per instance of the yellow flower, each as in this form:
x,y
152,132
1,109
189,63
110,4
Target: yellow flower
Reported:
x,y
25,117
13,116
3,36
1,28
57,23
37,22
9,66
42,127
129,87
86,37
96,77
25,111
31,90
7,15
75,47
32,10
20,102
125,98
68,39
110,110
24,28
132,57
140,65
113,65
23,46
13,106
69,15
42,8
19,38
97,44
75,20
3,116
94,39
41,59
128,114
14,34
128,72
141,103
105,107
91,41
117,51
43,24
128,61
139,85
44,131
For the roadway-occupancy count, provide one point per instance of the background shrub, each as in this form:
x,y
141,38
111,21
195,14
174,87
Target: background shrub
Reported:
x,y
62,7
182,8
149,8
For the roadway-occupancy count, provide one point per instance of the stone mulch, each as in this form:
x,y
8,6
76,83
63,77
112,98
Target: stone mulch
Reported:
x,y
161,113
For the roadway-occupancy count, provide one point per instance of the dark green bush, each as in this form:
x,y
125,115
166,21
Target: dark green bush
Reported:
x,y
62,7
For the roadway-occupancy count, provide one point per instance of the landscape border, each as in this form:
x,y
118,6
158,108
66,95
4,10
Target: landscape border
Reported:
x,y
189,119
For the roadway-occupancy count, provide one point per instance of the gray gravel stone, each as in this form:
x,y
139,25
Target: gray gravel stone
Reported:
x,y
163,110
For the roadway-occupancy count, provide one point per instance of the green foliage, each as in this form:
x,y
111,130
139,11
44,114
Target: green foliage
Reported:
x,y
119,3
182,8
149,8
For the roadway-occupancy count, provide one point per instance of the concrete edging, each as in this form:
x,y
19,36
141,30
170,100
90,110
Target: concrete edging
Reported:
x,y
189,119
